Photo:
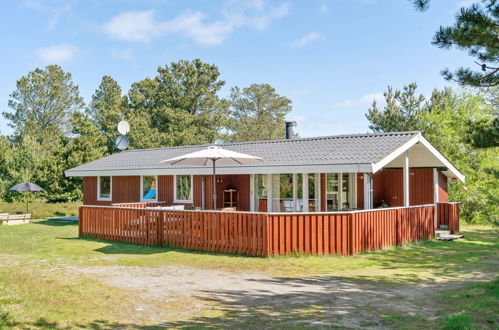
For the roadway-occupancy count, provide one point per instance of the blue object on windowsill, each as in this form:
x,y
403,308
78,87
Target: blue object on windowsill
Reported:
x,y
151,194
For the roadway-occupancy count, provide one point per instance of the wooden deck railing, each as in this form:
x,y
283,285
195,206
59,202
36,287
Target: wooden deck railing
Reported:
x,y
228,232
349,233
140,204
448,214
260,234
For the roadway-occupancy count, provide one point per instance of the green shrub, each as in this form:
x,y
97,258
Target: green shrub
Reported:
x,y
458,322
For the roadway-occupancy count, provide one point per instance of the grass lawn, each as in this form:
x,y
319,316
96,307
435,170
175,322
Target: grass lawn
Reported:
x,y
39,289
40,210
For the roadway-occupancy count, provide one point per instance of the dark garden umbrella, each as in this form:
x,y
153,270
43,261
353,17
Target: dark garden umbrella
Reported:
x,y
26,187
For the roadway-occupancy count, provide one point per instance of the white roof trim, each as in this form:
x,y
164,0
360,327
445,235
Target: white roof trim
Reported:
x,y
441,157
406,146
207,170
397,152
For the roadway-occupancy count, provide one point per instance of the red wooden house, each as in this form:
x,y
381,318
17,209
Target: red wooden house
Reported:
x,y
308,177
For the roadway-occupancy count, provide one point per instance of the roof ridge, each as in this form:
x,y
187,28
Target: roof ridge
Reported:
x,y
356,135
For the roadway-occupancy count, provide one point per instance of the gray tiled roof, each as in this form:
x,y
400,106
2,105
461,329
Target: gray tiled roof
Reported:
x,y
327,150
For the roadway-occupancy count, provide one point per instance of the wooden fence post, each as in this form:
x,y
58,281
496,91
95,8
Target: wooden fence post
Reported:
x,y
159,228
80,221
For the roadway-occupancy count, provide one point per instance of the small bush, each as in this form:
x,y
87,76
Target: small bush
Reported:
x,y
458,322
59,214
6,320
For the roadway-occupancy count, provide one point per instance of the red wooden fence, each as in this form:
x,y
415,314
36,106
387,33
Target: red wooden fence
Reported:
x,y
448,214
228,232
348,233
260,234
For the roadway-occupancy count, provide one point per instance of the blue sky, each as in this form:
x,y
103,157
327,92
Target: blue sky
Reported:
x,y
331,58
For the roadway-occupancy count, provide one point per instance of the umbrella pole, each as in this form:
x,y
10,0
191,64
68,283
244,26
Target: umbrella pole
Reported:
x,y
214,186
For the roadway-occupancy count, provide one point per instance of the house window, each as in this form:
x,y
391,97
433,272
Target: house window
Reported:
x,y
149,190
104,188
183,188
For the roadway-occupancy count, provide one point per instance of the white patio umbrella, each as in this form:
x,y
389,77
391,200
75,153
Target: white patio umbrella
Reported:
x,y
211,156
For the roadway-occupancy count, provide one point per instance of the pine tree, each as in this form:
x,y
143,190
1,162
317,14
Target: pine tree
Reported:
x,y
257,112
179,106
400,113
106,110
43,104
475,31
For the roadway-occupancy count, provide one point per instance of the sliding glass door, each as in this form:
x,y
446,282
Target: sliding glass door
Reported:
x,y
314,184
302,192
261,186
340,191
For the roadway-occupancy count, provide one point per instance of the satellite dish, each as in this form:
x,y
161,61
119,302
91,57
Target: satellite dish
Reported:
x,y
123,127
122,142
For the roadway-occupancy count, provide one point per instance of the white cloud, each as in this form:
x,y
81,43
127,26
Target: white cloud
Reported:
x,y
134,26
364,101
308,38
255,14
143,26
56,53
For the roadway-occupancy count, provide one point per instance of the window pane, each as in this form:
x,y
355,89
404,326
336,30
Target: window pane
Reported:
x,y
286,188
183,188
299,186
149,187
332,187
104,187
345,191
261,191
313,192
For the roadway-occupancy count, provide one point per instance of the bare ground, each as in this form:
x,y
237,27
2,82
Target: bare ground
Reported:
x,y
179,296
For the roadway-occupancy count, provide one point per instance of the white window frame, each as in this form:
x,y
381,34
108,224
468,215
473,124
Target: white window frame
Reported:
x,y
175,200
155,199
110,188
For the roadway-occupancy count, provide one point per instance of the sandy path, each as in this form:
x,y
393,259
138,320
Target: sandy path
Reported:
x,y
192,291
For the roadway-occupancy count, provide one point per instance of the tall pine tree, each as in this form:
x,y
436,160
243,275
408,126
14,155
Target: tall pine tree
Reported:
x,y
475,31
106,109
257,112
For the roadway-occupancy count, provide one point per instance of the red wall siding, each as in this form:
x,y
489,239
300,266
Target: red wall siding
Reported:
x,y
443,195
125,189
388,186
239,182
421,186
378,194
165,189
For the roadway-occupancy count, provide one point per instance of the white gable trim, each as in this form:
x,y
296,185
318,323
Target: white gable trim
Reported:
x,y
441,157
406,146
397,152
